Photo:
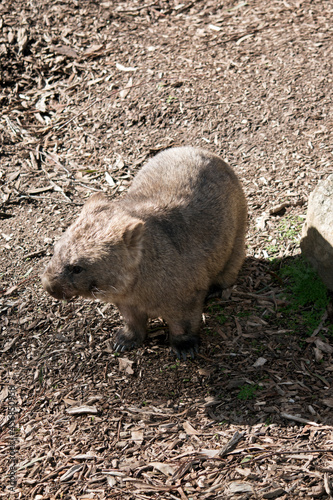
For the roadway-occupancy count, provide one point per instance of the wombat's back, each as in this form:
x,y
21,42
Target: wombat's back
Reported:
x,y
194,197
177,175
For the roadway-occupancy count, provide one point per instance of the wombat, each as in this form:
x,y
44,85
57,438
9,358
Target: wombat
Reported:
x,y
177,235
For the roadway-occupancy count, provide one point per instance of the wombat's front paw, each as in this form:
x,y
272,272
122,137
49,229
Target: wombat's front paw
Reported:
x,y
184,346
125,342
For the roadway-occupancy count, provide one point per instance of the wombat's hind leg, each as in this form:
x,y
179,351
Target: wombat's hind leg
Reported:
x,y
184,333
228,276
134,332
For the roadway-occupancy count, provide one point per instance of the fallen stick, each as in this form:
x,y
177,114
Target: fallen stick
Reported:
x,y
299,419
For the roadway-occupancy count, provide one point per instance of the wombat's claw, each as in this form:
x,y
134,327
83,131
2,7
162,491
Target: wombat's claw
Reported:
x,y
182,353
119,347
176,352
124,342
128,346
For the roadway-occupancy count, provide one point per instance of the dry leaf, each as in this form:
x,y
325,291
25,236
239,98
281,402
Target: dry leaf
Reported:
x,y
166,469
123,93
64,50
261,221
214,28
85,456
109,179
124,68
70,473
318,354
41,105
125,365
112,481
324,346
4,393
96,80
8,345
189,429
22,39
14,175
328,402
328,485
69,401
142,486
209,453
11,290
238,487
204,372
278,492
259,362
93,50
82,410
137,436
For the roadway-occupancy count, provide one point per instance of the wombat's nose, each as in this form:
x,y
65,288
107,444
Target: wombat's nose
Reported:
x,y
52,290
47,285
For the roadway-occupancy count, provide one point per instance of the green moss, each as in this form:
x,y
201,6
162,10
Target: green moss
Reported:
x,y
290,227
305,293
247,392
304,284
221,319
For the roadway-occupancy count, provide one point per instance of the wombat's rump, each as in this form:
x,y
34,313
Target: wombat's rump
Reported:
x,y
158,251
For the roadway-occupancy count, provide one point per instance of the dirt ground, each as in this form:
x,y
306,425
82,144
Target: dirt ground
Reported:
x,y
89,90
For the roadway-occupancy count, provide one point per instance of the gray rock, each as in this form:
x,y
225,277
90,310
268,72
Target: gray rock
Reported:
x,y
317,233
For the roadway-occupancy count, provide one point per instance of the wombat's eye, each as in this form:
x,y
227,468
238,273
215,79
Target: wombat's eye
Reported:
x,y
77,269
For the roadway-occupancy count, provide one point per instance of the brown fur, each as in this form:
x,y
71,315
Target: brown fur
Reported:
x,y
158,251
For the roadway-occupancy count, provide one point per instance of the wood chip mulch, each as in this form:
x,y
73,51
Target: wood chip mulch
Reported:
x,y
88,92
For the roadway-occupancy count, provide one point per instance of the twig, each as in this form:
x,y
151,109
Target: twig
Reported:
x,y
307,372
35,254
231,444
184,8
272,453
278,208
12,289
299,419
80,113
236,37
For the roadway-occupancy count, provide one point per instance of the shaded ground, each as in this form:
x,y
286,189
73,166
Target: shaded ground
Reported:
x,y
89,88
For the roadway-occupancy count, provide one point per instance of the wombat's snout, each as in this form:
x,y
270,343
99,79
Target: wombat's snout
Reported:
x,y
53,289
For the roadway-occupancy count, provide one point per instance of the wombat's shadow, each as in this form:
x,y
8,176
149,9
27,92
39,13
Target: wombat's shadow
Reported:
x,y
251,351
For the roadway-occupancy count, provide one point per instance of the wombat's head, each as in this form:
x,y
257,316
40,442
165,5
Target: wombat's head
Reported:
x,y
98,255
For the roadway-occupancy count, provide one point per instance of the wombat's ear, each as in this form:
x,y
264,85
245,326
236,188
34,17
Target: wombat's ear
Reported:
x,y
94,200
133,233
